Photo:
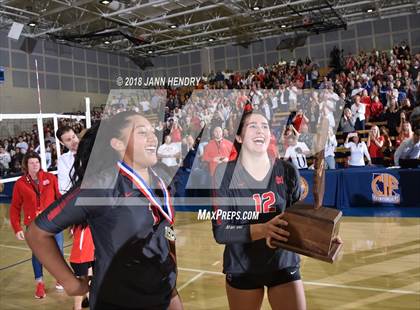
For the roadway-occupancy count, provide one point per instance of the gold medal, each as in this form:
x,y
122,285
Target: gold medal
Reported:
x,y
170,234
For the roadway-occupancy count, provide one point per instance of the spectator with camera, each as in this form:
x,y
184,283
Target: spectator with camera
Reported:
x,y
375,143
297,152
358,150
358,110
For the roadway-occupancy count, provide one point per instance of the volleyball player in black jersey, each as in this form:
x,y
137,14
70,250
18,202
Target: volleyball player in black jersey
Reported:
x,y
127,207
252,260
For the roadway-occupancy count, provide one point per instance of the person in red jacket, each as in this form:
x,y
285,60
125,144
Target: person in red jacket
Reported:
x,y
34,192
81,257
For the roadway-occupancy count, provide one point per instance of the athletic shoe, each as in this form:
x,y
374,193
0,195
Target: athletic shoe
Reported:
x,y
58,286
40,290
85,302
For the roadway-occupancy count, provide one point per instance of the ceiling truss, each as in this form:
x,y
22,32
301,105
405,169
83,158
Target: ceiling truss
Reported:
x,y
156,27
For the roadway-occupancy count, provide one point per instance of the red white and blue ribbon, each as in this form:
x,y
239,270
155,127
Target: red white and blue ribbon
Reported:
x,y
164,208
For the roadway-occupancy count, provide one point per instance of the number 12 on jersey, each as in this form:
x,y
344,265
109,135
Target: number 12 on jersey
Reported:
x,y
264,202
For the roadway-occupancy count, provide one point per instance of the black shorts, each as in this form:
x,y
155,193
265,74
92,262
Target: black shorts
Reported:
x,y
247,281
81,270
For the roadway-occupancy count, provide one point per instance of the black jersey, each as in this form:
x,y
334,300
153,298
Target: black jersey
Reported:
x,y
238,191
133,267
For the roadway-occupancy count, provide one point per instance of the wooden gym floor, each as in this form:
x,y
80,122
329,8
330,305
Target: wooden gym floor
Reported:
x,y
379,268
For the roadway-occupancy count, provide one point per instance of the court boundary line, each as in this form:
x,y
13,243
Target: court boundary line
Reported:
x,y
190,281
363,288
201,272
25,260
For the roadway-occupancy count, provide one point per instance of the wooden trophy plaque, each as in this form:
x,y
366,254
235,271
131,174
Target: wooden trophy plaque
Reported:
x,y
313,228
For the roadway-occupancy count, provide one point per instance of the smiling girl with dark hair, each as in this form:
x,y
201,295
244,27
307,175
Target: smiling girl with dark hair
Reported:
x,y
128,209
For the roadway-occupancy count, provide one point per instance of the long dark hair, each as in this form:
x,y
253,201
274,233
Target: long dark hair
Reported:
x,y
82,156
105,156
245,116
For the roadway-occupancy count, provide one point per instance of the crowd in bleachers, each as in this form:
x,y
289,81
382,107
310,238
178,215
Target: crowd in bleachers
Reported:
x,y
13,149
370,95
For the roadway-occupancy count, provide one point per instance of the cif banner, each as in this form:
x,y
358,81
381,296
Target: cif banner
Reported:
x,y
385,188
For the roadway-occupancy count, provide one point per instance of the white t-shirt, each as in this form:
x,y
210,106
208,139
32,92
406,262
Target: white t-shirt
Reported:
x,y
358,111
274,102
330,146
23,147
5,159
298,158
357,152
64,165
145,105
169,150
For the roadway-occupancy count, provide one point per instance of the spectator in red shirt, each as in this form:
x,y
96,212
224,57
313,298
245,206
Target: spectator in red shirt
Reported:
x,y
81,256
376,108
299,119
365,99
272,150
375,143
406,133
176,133
218,150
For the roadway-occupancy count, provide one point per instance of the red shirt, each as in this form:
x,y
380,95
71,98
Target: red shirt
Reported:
x,y
366,101
83,249
214,149
298,122
176,135
376,108
272,147
25,196
374,150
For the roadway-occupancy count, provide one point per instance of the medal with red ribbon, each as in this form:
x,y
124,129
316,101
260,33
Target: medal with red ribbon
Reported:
x,y
165,207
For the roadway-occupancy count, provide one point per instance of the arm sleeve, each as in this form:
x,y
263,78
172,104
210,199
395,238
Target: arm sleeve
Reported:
x,y
226,231
365,150
56,189
15,209
287,154
305,147
63,177
206,153
63,213
397,155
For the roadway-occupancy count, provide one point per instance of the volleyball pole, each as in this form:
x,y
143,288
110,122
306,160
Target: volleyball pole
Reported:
x,y
88,121
57,141
40,123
